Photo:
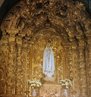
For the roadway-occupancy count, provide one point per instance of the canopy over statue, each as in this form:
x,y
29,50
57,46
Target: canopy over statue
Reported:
x,y
48,62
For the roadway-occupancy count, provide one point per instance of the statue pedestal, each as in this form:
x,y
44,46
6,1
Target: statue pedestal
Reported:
x,y
50,90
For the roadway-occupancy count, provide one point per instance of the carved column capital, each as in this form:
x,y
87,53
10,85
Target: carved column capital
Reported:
x,y
12,34
5,39
19,40
12,31
12,38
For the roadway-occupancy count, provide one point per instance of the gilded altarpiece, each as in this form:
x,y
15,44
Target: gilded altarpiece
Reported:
x,y
26,30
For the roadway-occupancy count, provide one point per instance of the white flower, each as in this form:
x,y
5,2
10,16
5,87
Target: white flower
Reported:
x,y
34,83
66,82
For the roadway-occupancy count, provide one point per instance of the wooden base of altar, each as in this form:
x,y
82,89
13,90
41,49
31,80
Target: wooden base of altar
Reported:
x,y
50,90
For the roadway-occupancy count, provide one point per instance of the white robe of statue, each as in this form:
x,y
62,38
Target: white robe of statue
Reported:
x,y
48,62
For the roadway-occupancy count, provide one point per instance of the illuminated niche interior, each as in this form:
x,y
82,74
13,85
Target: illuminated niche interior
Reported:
x,y
38,44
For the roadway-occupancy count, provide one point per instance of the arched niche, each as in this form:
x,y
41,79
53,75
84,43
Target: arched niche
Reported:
x,y
38,44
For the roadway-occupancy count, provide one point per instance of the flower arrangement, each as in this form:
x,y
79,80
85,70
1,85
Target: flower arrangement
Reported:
x,y
67,83
35,83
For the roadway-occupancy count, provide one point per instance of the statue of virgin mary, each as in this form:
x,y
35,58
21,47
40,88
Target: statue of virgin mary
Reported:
x,y
48,62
